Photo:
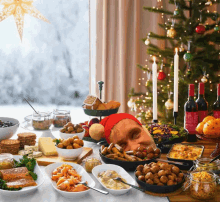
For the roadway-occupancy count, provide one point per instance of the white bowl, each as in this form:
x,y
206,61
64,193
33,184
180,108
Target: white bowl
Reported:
x,y
8,132
25,190
69,135
80,170
69,154
104,167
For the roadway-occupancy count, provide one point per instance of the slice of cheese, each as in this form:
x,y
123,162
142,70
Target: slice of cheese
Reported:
x,y
32,148
35,154
23,152
46,145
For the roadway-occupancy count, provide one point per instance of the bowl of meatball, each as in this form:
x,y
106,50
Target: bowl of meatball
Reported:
x,y
69,149
159,177
71,129
8,127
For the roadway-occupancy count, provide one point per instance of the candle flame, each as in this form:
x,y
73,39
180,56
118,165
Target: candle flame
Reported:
x,y
176,50
154,58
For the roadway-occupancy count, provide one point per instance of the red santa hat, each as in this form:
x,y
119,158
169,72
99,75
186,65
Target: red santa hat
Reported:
x,y
103,129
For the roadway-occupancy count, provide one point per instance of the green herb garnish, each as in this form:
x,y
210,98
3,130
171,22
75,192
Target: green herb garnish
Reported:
x,y
4,186
33,175
29,163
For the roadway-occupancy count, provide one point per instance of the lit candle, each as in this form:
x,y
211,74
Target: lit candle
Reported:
x,y
176,79
154,79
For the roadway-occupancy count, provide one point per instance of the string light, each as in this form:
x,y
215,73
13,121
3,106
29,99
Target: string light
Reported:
x,y
196,81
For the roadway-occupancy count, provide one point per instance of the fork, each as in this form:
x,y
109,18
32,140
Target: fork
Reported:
x,y
98,190
136,187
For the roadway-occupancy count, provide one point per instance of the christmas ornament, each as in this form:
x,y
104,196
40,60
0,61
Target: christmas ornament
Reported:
x,y
19,8
169,104
204,79
171,33
200,29
216,28
181,48
208,3
187,56
147,42
161,75
131,103
176,12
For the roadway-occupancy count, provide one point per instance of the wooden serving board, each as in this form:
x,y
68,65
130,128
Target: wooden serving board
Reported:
x,y
46,160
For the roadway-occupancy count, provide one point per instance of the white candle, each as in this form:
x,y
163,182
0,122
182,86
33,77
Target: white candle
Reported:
x,y
176,79
154,80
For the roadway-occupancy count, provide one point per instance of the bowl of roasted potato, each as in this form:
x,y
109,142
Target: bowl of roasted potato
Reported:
x,y
69,149
71,129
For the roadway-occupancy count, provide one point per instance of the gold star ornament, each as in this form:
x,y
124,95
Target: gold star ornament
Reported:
x,y
19,8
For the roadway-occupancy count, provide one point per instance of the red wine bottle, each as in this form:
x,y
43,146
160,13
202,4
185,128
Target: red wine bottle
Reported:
x,y
202,103
216,105
191,115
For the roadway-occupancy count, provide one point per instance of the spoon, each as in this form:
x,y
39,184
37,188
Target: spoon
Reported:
x,y
215,158
173,162
31,105
98,190
119,179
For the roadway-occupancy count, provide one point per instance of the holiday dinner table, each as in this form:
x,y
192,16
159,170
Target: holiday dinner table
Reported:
x,y
46,193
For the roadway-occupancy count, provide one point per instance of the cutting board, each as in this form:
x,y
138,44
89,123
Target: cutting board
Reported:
x,y
46,160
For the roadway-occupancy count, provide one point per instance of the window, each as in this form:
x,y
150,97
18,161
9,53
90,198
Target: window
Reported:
x,y
51,64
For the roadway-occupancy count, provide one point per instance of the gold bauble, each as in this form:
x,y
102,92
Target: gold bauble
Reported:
x,y
181,48
171,32
169,104
204,79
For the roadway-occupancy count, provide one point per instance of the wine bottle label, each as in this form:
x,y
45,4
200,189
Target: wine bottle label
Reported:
x,y
202,115
191,121
217,114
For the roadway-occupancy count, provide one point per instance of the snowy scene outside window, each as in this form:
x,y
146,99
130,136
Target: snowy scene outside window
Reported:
x,y
50,67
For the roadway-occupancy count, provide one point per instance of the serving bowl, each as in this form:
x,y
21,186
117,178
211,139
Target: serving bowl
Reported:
x,y
69,154
127,165
80,170
69,135
8,132
159,189
104,167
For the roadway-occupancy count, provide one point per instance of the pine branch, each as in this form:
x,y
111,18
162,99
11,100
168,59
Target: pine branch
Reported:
x,y
142,68
157,10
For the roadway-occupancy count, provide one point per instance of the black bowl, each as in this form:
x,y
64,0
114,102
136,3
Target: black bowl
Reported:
x,y
159,189
127,165
108,112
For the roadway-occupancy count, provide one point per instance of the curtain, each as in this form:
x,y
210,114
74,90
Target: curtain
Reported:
x,y
120,26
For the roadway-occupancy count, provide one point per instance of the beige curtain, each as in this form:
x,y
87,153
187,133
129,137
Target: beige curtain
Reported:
x,y
121,24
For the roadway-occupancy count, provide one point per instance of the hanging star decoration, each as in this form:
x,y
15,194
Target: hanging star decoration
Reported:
x,y
19,8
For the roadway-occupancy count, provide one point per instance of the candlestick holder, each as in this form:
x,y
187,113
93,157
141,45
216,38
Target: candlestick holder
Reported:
x,y
155,121
175,115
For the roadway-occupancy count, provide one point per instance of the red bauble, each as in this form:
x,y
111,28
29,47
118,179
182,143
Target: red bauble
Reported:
x,y
161,75
200,29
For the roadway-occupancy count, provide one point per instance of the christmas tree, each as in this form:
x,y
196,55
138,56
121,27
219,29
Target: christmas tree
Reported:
x,y
198,43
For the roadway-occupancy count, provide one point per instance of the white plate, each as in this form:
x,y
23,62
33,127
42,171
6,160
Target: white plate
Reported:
x,y
104,167
25,190
79,169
